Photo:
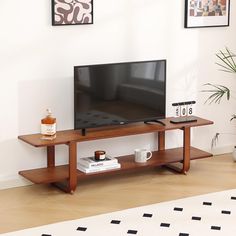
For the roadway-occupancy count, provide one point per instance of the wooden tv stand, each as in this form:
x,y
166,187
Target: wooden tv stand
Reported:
x,y
65,176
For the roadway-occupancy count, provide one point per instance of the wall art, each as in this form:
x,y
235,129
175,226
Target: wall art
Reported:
x,y
72,12
206,13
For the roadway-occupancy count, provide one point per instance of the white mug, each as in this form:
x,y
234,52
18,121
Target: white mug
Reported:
x,y
142,155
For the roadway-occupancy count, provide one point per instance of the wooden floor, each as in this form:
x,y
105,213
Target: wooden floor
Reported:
x,y
37,205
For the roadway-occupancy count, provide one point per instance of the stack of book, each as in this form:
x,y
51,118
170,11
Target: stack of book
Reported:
x,y
89,165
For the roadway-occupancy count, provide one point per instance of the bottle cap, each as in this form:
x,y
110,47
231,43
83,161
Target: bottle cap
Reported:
x,y
49,111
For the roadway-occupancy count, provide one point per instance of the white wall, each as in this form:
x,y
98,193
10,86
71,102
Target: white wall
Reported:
x,y
36,69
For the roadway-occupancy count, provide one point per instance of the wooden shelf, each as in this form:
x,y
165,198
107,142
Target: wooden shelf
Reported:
x,y
66,136
46,175
159,158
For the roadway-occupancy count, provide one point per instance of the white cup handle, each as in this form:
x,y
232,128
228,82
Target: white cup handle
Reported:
x,y
150,155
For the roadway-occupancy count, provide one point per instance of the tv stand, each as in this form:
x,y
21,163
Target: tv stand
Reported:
x,y
154,121
66,176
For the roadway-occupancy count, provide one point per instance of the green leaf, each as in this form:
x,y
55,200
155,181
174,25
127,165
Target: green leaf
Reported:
x,y
227,60
217,93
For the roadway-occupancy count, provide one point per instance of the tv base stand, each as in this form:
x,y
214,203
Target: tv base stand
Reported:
x,y
83,132
65,177
154,121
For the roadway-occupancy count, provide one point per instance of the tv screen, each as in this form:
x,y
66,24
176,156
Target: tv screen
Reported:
x,y
119,93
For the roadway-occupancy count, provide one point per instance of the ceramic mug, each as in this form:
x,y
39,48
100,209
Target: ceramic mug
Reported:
x,y
142,155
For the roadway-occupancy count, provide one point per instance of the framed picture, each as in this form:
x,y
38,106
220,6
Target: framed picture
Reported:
x,y
72,12
206,13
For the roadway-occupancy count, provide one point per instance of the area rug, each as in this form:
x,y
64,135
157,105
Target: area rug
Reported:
x,y
209,214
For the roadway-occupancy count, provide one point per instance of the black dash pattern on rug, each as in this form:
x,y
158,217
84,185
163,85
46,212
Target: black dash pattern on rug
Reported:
x,y
216,227
196,218
132,231
183,234
226,212
233,198
115,222
81,228
165,225
178,209
147,215
207,203
46,235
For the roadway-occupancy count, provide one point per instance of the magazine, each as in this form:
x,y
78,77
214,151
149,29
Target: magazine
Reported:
x,y
90,162
97,169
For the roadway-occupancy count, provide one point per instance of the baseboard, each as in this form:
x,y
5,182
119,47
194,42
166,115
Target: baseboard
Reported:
x,y
13,181
222,150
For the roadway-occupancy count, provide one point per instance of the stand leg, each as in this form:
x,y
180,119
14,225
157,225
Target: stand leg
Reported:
x,y
186,153
69,186
161,140
186,150
72,166
50,156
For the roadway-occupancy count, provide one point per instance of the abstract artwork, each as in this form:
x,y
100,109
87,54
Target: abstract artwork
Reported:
x,y
206,13
72,12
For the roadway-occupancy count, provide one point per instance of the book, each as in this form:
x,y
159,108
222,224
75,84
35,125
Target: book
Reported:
x,y
90,162
98,169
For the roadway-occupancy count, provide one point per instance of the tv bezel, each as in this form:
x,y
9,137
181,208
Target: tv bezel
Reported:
x,y
146,120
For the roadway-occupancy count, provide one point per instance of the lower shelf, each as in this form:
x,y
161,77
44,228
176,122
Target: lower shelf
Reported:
x,y
159,158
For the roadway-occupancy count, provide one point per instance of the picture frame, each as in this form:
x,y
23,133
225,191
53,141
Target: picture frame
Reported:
x,y
72,12
206,13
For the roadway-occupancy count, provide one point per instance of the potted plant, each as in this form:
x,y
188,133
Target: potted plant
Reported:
x,y
217,91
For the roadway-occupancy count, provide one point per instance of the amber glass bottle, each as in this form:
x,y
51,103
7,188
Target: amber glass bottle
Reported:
x,y
48,126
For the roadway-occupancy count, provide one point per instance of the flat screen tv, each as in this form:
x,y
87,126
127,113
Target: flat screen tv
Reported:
x,y
119,93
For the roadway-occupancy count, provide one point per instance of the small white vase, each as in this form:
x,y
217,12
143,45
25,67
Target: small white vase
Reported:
x,y
234,154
